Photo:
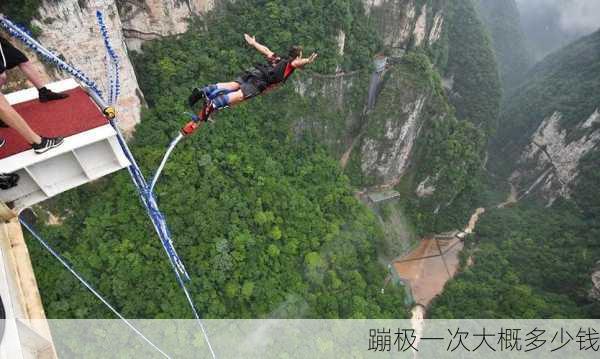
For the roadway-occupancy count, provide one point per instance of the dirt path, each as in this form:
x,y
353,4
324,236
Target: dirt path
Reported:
x,y
346,155
512,197
473,221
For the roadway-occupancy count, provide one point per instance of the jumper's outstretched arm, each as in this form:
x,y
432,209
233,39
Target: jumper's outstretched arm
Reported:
x,y
298,63
251,40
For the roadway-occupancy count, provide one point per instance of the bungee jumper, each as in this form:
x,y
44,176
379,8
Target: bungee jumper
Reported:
x,y
263,77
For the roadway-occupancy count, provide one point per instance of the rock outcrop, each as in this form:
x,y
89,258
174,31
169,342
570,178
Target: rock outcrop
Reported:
x,y
549,164
594,293
391,129
401,21
436,29
386,157
426,187
549,138
69,28
152,19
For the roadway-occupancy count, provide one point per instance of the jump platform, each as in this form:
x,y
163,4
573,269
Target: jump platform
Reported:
x,y
90,151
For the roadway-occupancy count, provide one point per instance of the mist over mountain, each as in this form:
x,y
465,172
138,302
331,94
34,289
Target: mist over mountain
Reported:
x,y
551,24
512,52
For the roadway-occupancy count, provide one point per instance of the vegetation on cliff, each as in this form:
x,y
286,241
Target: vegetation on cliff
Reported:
x,y
476,89
503,21
563,82
22,11
450,157
530,262
448,151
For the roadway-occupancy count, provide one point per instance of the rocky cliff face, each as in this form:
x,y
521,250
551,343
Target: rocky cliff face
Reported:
x,y
549,164
402,22
551,126
69,28
385,156
377,139
152,19
380,140
594,293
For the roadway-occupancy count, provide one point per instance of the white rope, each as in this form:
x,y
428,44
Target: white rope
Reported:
x,y
89,287
164,160
3,58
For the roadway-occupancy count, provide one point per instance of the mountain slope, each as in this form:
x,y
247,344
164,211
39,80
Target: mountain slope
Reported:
x,y
550,123
539,259
503,21
471,68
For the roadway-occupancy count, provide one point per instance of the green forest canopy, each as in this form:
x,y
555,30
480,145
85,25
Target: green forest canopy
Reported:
x,y
530,262
266,223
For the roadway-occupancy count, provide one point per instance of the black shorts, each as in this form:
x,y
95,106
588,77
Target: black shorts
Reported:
x,y
251,84
12,56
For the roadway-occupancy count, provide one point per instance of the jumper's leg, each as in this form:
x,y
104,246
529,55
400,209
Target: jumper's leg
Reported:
x,y
35,77
14,120
32,74
210,92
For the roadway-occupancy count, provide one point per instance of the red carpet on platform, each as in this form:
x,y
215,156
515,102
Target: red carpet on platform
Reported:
x,y
64,118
